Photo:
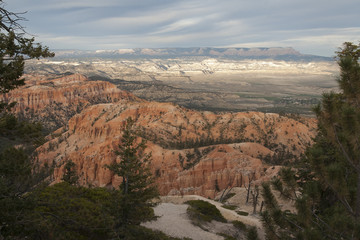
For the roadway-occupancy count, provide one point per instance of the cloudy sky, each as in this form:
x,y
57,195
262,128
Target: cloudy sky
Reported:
x,y
310,26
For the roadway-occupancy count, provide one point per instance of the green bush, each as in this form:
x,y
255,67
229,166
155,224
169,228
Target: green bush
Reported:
x,y
242,213
239,225
226,237
252,234
133,232
228,196
230,207
204,211
69,212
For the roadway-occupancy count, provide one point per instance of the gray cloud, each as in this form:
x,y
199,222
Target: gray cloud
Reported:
x,y
315,27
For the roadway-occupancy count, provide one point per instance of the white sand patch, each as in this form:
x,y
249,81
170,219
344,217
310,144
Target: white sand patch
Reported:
x,y
229,215
173,221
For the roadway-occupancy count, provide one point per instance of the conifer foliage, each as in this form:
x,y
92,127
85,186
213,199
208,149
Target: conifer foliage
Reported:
x,y
15,48
137,186
70,176
18,174
326,188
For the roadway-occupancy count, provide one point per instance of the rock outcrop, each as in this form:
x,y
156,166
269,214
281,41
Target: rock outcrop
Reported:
x,y
54,101
193,152
230,147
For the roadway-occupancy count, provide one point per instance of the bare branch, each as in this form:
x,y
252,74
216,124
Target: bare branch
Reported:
x,y
10,20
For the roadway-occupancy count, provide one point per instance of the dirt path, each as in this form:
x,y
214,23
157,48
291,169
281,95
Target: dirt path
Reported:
x,y
174,220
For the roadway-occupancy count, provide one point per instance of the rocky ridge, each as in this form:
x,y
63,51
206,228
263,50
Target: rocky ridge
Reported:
x,y
275,52
53,100
172,132
180,69
193,152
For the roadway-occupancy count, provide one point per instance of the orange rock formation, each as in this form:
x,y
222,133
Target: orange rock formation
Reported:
x,y
193,152
54,101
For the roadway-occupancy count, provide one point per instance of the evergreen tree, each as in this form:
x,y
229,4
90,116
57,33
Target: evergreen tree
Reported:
x,y
18,174
137,186
252,234
18,178
15,48
65,211
70,176
326,188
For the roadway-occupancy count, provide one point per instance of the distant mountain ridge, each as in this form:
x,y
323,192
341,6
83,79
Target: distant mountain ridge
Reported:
x,y
277,53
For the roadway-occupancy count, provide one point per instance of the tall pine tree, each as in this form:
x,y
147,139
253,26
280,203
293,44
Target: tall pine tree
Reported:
x,y
18,175
326,188
137,186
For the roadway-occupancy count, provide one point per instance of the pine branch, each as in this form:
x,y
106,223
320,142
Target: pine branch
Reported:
x,y
342,200
269,225
327,226
347,157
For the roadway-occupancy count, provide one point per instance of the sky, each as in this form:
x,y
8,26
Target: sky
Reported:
x,y
315,27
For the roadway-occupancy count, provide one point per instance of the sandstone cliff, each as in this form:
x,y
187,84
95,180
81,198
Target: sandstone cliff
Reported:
x,y
193,152
54,101
172,131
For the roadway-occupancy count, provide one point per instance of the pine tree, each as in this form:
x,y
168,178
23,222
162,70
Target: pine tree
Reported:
x,y
15,48
18,175
137,186
70,176
326,188
67,211
252,234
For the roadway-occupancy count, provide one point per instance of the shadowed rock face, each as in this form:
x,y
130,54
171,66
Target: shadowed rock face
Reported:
x,y
193,152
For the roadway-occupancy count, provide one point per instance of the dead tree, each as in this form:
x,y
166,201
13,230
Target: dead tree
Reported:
x,y
261,206
255,196
222,195
248,188
230,186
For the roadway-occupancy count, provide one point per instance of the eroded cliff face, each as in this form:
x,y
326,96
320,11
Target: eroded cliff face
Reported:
x,y
54,101
193,152
172,131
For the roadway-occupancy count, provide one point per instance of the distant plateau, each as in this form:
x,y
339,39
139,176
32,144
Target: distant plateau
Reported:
x,y
216,79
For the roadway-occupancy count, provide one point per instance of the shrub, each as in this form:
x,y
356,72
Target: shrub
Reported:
x,y
228,196
204,211
230,207
242,213
252,234
239,225
226,237
134,232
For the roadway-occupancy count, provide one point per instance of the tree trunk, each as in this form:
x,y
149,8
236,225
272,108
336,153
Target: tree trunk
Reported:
x,y
249,187
357,207
255,195
227,192
248,192
125,185
222,195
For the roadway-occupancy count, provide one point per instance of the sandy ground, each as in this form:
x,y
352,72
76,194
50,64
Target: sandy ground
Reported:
x,y
174,222
173,219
